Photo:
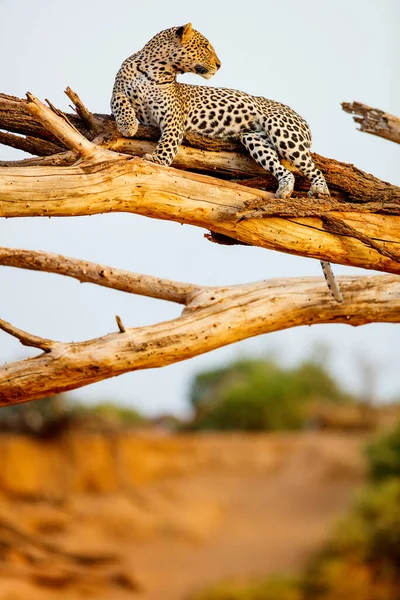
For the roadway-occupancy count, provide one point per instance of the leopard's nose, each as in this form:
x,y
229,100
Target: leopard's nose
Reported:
x,y
217,64
200,69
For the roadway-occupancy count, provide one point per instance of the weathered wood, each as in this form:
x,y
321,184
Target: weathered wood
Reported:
x,y
216,157
58,124
89,272
29,144
358,225
213,318
27,339
374,120
323,229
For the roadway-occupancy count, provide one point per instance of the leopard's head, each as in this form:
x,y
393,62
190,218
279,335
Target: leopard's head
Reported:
x,y
191,52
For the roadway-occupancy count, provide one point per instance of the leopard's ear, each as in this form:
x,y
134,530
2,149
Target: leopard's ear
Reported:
x,y
184,32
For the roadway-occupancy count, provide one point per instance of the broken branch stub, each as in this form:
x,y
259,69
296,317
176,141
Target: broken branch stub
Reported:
x,y
374,121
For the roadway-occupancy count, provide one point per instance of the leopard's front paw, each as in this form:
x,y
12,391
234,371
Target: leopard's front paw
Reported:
x,y
152,158
128,129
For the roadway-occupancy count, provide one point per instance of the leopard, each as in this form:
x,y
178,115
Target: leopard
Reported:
x,y
146,91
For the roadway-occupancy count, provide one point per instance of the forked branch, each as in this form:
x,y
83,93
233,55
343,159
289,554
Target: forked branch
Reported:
x,y
212,318
217,157
57,123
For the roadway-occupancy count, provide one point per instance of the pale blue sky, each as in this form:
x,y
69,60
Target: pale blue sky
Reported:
x,y
311,55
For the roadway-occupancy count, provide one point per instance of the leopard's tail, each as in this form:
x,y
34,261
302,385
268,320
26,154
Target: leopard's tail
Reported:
x,y
331,281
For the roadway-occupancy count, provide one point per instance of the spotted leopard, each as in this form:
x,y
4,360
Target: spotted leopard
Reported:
x,y
146,91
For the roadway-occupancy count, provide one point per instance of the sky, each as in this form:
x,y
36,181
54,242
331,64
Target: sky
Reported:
x,y
311,55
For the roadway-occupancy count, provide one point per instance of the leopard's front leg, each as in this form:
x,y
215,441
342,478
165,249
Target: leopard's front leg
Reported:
x,y
124,114
172,132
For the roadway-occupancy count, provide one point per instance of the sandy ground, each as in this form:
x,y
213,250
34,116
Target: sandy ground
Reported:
x,y
250,507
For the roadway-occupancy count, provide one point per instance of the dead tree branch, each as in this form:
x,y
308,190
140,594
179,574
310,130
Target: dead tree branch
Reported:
x,y
58,124
93,124
327,229
217,157
212,318
27,339
330,229
29,144
374,120
89,272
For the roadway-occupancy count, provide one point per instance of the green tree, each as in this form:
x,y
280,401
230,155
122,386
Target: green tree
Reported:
x,y
259,394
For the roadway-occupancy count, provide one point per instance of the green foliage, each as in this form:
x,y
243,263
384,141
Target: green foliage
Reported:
x,y
107,413
367,541
384,456
256,395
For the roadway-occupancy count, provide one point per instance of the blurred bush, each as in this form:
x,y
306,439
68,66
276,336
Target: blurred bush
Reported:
x,y
257,395
383,456
40,417
49,416
105,415
362,559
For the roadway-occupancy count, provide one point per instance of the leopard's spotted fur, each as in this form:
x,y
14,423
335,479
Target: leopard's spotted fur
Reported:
x,y
146,91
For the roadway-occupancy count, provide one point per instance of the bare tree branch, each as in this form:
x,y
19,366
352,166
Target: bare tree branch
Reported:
x,y
29,144
217,157
53,160
374,120
27,339
251,216
120,324
93,124
58,124
212,319
84,271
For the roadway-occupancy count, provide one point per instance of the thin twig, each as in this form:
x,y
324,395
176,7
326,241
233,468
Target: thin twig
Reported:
x,y
87,117
27,339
